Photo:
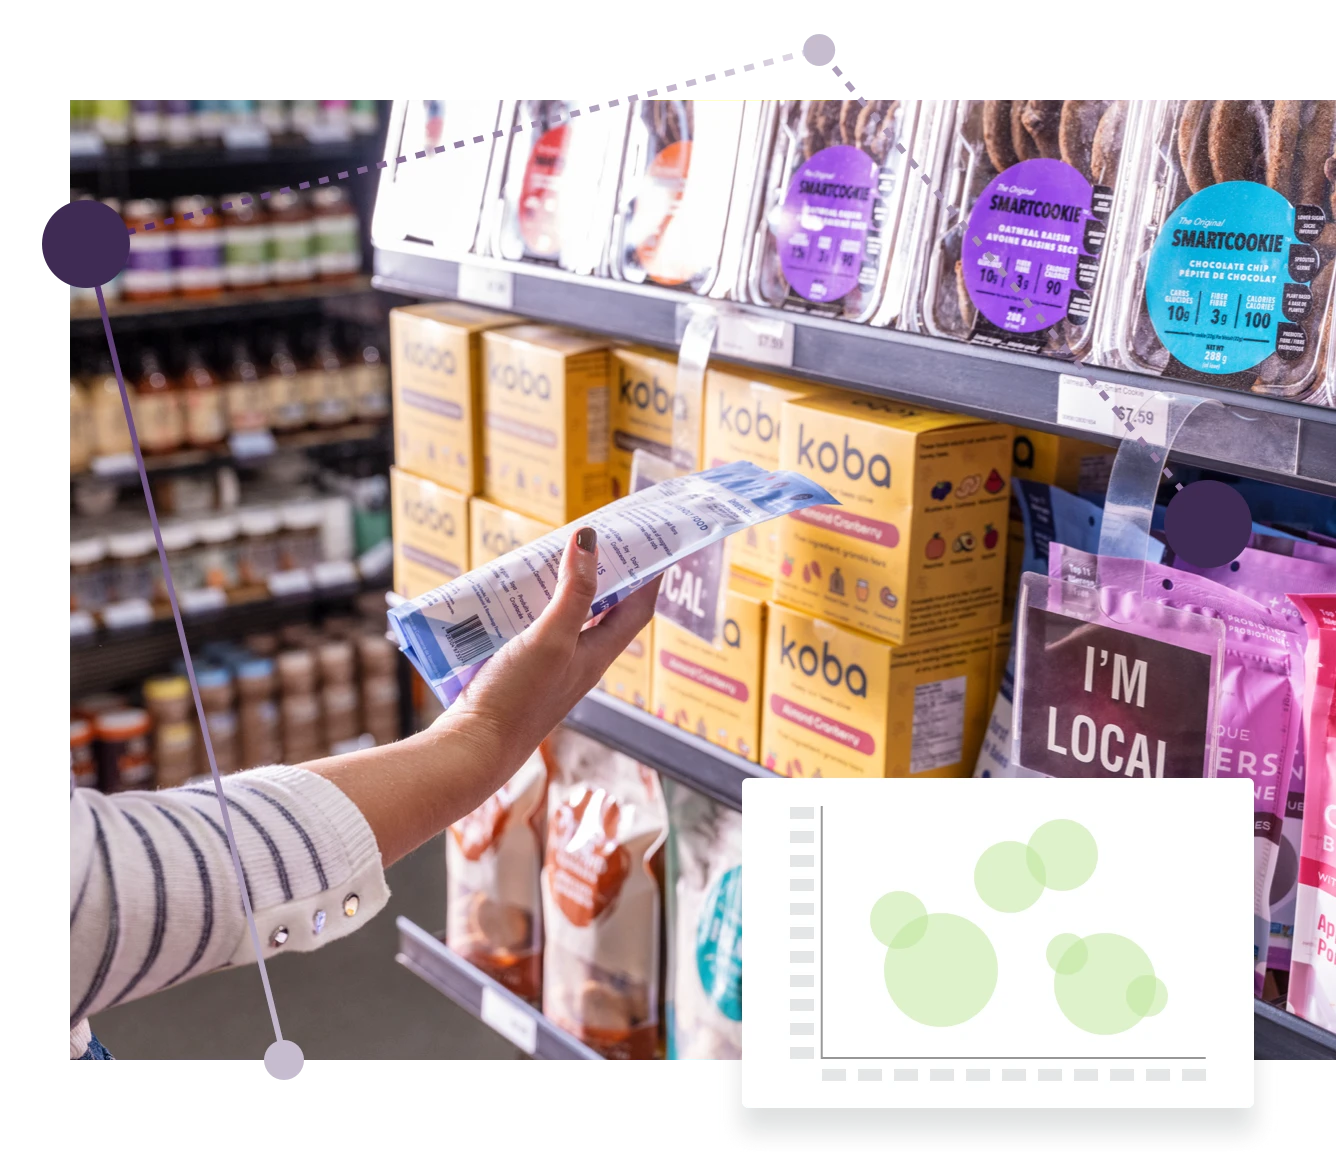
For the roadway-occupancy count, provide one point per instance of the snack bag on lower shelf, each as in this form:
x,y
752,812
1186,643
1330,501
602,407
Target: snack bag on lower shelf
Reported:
x,y
1257,714
705,919
1312,991
492,862
601,898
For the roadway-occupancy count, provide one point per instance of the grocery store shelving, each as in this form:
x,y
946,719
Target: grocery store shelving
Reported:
x,y
688,759
520,1022
284,151
232,307
1251,435
1279,1036
112,657
346,441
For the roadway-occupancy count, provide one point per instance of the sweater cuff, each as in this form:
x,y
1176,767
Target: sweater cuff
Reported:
x,y
357,890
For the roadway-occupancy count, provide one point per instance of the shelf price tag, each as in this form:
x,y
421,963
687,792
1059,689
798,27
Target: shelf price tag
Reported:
x,y
251,444
510,1020
292,583
763,340
490,287
1107,409
115,465
127,614
238,136
334,573
197,600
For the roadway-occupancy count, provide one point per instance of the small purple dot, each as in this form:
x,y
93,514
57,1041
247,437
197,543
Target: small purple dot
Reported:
x,y
284,191
169,221
227,204
459,143
323,180
188,216
208,210
149,226
767,63
343,175
265,195
652,92
671,88
244,200
305,184
419,155
362,170
752,68
382,163
477,139
710,78
440,148
401,160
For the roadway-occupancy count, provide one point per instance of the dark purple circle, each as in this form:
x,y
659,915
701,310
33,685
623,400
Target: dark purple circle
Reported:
x,y
85,243
1208,523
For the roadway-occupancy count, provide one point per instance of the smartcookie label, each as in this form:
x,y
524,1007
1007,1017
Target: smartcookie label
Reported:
x,y
1228,279
1030,255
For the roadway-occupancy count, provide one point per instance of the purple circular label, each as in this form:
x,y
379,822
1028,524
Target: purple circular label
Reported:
x,y
1031,250
823,223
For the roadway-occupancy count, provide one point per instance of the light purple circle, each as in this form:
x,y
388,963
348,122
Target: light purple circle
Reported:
x,y
822,226
1025,256
283,1059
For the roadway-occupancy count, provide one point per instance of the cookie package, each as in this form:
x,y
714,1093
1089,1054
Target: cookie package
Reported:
x,y
602,902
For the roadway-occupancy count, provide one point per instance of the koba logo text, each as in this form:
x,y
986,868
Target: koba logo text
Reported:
x,y
827,456
429,357
518,378
833,672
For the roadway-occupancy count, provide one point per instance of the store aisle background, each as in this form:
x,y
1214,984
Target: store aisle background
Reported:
x,y
348,1001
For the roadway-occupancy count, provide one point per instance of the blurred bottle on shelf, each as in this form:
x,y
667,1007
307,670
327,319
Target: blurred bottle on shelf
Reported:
x,y
338,247
158,414
247,261
197,247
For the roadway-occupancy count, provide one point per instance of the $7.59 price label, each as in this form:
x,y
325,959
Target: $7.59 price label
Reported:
x,y
1109,409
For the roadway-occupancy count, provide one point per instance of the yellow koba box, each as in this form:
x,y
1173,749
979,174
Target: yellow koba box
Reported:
x,y
494,531
436,372
547,435
644,402
840,703
916,546
1063,461
431,533
715,690
742,422
630,676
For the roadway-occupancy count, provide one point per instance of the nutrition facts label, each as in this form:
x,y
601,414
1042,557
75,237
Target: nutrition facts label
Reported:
x,y
939,724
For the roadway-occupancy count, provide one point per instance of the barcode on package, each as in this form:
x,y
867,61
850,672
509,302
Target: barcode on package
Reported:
x,y
469,641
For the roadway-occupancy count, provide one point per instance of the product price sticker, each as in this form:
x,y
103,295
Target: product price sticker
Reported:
x,y
744,336
490,287
1105,409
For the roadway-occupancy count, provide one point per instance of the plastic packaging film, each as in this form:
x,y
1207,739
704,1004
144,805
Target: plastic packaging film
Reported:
x,y
1253,183
827,233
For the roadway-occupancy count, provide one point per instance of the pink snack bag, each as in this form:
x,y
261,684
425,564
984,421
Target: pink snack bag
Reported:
x,y
1257,711
1267,571
1312,992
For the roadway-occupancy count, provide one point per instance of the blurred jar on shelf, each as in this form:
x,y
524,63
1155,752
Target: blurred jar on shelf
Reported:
x,y
178,122
124,753
217,696
111,434
217,552
158,414
181,543
146,122
299,546
205,402
247,260
371,380
82,441
338,693
112,118
292,238
257,712
284,387
338,234
258,549
133,564
83,761
148,271
89,574
197,246
327,385
246,392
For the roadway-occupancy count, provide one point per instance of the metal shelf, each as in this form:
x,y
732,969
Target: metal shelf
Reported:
x,y
114,658
702,766
282,151
239,305
1277,1035
425,956
1284,442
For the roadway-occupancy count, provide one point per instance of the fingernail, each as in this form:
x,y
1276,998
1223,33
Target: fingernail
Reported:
x,y
587,539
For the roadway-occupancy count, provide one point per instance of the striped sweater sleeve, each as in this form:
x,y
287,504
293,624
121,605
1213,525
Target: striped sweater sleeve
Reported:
x,y
153,891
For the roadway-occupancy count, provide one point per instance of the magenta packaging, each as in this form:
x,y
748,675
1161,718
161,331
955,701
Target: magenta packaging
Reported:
x,y
1257,711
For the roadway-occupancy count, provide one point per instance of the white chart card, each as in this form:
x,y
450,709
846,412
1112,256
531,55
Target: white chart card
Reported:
x,y
1010,943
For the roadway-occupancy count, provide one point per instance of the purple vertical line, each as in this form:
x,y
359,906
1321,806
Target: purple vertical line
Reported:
x,y
190,665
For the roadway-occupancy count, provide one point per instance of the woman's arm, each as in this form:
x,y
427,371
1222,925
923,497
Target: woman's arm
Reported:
x,y
153,894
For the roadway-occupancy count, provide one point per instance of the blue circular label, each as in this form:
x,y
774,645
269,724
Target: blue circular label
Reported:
x,y
1228,279
719,944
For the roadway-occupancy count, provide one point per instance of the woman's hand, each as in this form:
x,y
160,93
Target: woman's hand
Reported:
x,y
412,790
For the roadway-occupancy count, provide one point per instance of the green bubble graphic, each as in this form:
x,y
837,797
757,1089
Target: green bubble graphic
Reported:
x,y
940,969
1009,877
1068,851
895,912
1066,953
1105,983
